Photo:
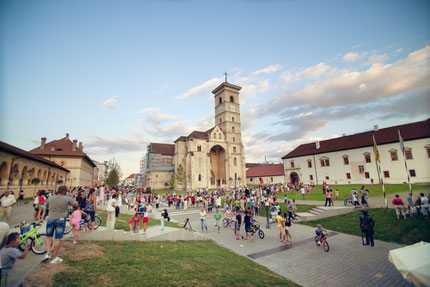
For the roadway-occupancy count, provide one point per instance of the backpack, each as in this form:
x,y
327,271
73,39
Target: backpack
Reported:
x,y
141,209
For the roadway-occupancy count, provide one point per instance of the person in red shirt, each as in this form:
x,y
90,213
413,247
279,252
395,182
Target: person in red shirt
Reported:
x,y
400,206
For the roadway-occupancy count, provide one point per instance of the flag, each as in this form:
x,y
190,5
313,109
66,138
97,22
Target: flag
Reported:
x,y
402,146
375,150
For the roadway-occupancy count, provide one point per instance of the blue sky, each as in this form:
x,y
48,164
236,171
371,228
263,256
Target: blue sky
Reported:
x,y
119,74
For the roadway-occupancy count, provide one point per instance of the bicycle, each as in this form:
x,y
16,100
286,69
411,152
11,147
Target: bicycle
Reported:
x,y
69,227
226,222
255,228
348,200
323,242
37,241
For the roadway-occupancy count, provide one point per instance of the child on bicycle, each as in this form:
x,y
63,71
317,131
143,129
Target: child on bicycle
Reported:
x,y
321,233
75,222
10,253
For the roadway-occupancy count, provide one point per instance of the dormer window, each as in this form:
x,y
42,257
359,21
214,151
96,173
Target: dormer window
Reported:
x,y
53,148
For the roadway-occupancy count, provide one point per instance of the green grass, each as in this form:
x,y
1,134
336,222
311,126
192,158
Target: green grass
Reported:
x,y
181,263
344,190
167,191
28,199
387,226
121,221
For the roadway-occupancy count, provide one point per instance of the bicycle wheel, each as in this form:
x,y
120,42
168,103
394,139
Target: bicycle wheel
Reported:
x,y
225,222
345,202
68,227
316,240
38,245
261,234
98,222
21,246
326,246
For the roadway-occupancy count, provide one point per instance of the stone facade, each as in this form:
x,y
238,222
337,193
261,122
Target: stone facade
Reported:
x,y
69,155
216,157
18,168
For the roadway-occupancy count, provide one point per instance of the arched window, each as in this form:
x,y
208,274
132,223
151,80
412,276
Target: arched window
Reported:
x,y
231,99
232,129
199,148
232,119
234,149
219,136
220,100
219,120
234,139
235,161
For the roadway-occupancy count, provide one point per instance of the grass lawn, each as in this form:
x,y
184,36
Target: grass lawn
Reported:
x,y
168,191
181,263
387,226
121,221
344,190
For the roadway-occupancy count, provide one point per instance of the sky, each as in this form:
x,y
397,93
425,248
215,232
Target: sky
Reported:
x,y
117,75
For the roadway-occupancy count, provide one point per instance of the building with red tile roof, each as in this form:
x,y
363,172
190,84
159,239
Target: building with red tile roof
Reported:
x,y
350,159
268,173
70,155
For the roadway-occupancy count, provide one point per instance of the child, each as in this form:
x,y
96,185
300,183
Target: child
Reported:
x,y
10,253
134,219
287,223
75,221
319,231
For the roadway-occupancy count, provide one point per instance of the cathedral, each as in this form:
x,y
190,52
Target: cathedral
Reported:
x,y
209,159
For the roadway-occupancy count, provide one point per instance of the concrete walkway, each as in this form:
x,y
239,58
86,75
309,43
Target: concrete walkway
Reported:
x,y
348,263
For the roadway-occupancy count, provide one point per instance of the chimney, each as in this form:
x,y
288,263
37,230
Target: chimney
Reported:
x,y
67,136
81,147
317,145
42,144
74,145
376,128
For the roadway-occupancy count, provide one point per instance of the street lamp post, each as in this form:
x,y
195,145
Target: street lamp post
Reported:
x,y
267,215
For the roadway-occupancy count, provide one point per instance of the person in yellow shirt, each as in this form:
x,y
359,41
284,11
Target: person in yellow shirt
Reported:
x,y
281,227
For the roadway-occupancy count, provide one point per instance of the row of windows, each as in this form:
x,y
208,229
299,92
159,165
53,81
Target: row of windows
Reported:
x,y
367,175
232,119
231,99
367,158
199,148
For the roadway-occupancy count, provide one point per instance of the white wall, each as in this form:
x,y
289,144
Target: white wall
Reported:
x,y
266,180
337,169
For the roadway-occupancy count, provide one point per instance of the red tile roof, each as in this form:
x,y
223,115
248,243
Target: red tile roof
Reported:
x,y
200,135
161,148
61,147
248,165
265,170
410,131
22,153
131,175
181,139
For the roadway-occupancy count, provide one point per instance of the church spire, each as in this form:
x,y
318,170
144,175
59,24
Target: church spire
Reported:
x,y
225,76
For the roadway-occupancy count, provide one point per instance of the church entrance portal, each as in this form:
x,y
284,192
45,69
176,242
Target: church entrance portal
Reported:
x,y
294,178
218,176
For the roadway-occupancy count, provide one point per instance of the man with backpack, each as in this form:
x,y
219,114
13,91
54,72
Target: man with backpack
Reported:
x,y
367,226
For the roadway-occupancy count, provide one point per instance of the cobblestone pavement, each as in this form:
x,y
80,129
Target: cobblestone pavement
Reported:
x,y
348,263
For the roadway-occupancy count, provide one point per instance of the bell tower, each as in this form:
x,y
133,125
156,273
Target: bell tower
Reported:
x,y
227,117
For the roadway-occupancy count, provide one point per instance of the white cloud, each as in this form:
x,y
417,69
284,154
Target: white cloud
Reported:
x,y
155,117
111,102
374,59
399,50
268,70
353,57
152,109
201,89
315,71
100,145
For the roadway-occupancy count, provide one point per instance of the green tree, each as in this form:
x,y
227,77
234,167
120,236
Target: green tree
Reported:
x,y
112,178
172,182
180,175
114,173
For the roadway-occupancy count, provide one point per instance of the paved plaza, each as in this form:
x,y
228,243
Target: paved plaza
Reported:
x,y
347,262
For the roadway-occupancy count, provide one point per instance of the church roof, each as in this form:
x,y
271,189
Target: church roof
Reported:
x,y
22,153
248,165
388,135
162,148
265,170
198,135
61,147
181,139
225,84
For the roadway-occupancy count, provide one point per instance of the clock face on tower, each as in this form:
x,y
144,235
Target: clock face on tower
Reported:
x,y
232,108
